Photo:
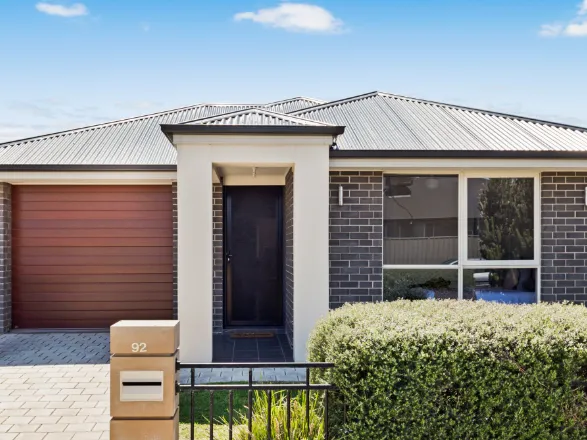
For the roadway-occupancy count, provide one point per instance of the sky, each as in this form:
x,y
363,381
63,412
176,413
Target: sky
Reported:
x,y
68,64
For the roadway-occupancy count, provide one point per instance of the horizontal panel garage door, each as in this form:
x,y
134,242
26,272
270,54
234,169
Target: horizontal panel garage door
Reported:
x,y
88,256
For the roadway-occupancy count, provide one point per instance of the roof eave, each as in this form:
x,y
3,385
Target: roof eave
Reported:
x,y
450,154
86,167
300,130
334,154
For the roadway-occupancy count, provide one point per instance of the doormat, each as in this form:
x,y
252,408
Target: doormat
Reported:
x,y
251,335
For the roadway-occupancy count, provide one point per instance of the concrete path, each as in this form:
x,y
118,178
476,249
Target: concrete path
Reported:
x,y
55,386
228,375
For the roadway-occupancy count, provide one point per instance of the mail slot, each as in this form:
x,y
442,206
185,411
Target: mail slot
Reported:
x,y
143,378
141,386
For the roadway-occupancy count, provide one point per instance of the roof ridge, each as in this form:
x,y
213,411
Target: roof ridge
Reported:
x,y
486,112
120,121
441,104
296,98
253,110
336,102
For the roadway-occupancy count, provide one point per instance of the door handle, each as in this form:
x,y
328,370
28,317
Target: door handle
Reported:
x,y
228,257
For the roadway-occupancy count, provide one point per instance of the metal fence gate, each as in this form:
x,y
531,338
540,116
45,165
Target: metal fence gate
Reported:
x,y
321,401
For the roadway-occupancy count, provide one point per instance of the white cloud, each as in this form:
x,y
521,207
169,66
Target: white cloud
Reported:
x,y
295,17
551,30
577,27
75,10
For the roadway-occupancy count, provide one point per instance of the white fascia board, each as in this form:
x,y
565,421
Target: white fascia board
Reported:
x,y
454,164
88,177
250,140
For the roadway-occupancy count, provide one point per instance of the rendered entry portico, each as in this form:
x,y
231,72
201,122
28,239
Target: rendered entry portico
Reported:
x,y
262,150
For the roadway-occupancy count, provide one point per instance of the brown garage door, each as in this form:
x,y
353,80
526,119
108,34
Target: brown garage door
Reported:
x,y
88,256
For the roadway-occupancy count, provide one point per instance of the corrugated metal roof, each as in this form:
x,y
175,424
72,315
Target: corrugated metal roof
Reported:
x,y
293,104
374,121
255,116
134,141
381,121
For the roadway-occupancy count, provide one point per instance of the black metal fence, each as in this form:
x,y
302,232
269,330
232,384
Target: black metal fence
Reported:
x,y
253,388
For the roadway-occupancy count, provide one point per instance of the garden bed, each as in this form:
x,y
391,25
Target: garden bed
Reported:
x,y
298,427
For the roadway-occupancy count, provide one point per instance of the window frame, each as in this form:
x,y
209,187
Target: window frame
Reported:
x,y
463,229
463,262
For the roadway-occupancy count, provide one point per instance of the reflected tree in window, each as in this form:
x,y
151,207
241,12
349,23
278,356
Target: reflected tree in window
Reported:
x,y
506,229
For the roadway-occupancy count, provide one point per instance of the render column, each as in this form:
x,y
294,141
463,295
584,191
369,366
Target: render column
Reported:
x,y
194,252
310,238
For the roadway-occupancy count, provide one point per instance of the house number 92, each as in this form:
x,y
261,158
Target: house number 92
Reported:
x,y
139,347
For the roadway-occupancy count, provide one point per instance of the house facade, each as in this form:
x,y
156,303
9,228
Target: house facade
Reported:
x,y
267,216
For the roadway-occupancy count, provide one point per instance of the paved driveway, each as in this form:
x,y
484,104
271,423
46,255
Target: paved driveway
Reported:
x,y
54,386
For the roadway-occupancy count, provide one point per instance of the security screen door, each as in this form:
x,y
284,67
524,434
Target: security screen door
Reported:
x,y
253,249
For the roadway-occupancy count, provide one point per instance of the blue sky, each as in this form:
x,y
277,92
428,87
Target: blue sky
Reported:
x,y
66,64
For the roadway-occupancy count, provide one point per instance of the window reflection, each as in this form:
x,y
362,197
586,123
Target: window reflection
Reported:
x,y
508,285
417,284
420,219
500,219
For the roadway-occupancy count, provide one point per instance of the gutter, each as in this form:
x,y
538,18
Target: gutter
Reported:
x,y
92,167
171,129
450,154
334,154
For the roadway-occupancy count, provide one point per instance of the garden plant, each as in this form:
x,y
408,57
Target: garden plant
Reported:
x,y
458,369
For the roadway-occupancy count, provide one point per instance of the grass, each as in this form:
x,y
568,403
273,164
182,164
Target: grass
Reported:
x,y
202,414
260,400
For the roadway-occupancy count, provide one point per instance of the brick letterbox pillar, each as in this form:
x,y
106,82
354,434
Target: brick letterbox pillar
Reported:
x,y
143,376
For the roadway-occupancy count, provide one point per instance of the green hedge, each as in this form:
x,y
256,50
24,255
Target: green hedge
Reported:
x,y
458,369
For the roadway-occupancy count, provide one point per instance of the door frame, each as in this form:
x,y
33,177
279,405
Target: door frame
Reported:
x,y
228,322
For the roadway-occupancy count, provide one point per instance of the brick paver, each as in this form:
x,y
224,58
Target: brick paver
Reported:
x,y
55,385
44,377
51,349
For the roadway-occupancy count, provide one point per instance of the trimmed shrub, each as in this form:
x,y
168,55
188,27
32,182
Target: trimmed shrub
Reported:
x,y
458,369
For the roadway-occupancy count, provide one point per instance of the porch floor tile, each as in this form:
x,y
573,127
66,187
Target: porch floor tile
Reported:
x,y
275,349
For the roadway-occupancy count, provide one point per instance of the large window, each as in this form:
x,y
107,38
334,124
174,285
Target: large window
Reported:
x,y
469,235
421,219
501,212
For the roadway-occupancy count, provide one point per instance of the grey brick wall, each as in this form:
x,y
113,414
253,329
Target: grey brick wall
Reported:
x,y
564,236
218,257
356,237
288,230
174,201
5,257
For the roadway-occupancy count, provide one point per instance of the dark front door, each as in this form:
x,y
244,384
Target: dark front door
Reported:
x,y
253,255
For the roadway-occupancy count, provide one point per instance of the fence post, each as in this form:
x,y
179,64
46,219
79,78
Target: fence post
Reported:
x,y
144,400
